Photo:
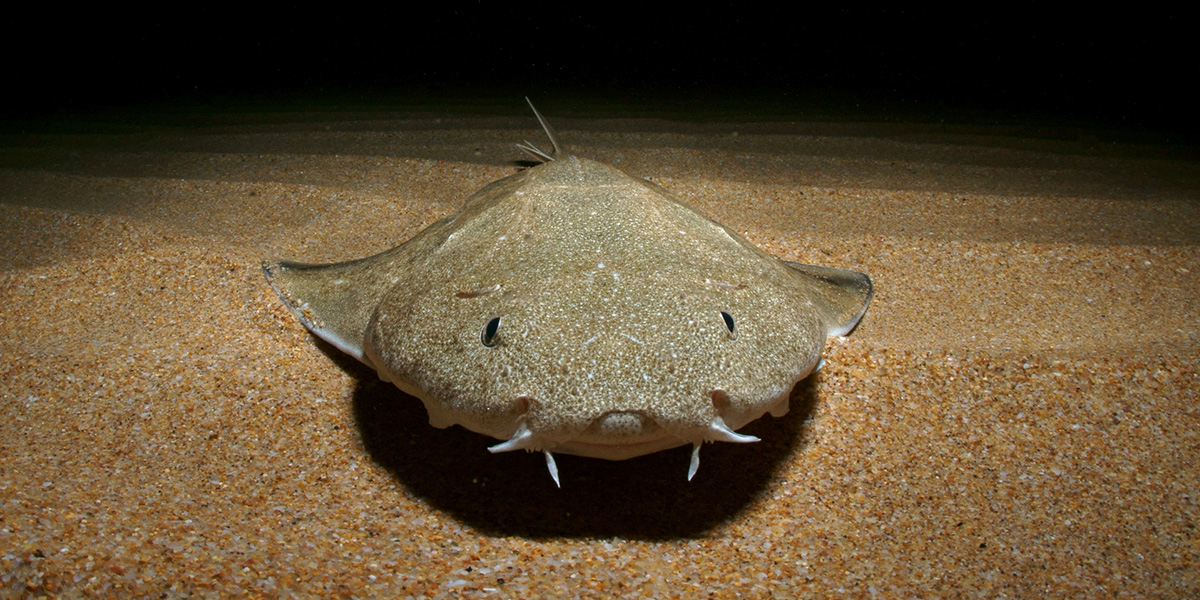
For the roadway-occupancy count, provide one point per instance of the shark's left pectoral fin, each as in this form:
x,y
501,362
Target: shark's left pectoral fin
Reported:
x,y
325,299
841,295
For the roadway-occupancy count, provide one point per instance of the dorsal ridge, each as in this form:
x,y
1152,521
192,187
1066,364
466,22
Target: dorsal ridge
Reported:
x,y
536,152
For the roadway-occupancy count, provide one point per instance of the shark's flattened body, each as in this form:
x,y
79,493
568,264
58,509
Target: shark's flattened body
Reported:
x,y
571,308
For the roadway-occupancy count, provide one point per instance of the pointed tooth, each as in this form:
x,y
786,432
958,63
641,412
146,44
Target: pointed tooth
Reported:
x,y
720,432
550,464
820,363
522,439
695,466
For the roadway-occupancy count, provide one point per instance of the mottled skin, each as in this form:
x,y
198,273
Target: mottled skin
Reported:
x,y
627,322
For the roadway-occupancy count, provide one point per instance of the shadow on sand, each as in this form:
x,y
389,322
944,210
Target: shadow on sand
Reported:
x,y
647,497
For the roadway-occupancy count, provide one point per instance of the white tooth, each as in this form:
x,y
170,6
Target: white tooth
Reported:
x,y
522,439
553,467
695,466
720,432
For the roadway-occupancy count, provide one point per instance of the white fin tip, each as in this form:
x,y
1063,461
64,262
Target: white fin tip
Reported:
x,y
695,465
522,439
720,432
550,464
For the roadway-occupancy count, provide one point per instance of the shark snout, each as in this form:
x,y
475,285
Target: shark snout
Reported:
x,y
618,435
621,427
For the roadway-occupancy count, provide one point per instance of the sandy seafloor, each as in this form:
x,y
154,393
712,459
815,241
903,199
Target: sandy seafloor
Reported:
x,y
1015,417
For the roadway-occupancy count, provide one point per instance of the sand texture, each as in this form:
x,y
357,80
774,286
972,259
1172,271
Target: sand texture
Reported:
x,y
1016,416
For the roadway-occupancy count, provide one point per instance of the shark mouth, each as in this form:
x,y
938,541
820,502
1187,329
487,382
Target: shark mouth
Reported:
x,y
644,442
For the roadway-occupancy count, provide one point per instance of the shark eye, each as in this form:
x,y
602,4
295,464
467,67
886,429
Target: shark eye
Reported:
x,y
728,318
490,331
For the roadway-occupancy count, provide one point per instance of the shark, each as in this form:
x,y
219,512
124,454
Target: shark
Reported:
x,y
571,308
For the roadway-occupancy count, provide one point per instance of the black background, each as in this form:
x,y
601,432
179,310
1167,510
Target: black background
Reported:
x,y
1005,63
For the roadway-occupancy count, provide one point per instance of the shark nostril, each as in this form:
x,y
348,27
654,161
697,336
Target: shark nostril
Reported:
x,y
521,406
720,400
